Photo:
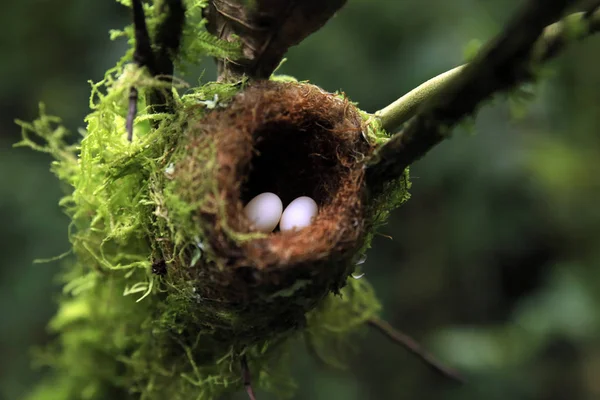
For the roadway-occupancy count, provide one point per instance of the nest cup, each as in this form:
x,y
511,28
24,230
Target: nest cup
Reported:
x,y
292,139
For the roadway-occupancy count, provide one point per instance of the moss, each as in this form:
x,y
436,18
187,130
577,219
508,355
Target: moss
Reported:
x,y
172,197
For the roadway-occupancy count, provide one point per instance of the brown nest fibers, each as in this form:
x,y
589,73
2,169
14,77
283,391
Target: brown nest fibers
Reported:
x,y
292,139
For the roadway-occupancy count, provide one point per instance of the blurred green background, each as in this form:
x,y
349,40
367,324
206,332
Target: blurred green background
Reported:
x,y
493,263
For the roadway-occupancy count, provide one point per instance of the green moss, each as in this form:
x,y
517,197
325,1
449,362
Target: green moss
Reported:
x,y
394,193
123,331
329,325
374,132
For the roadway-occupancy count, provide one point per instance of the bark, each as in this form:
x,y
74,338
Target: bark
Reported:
x,y
266,29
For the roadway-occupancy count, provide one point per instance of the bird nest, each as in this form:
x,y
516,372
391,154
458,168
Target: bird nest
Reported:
x,y
294,140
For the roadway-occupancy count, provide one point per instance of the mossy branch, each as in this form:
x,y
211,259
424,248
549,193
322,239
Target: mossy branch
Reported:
x,y
554,38
442,102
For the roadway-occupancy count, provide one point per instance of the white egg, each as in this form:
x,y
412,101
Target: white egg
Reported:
x,y
298,214
264,211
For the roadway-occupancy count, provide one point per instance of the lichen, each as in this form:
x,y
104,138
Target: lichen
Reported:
x,y
125,330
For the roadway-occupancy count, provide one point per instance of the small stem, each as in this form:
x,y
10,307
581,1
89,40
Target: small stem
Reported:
x,y
168,36
415,348
246,378
168,39
401,110
143,54
131,113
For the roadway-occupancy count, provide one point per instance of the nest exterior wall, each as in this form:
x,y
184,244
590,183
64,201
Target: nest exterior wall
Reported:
x,y
272,280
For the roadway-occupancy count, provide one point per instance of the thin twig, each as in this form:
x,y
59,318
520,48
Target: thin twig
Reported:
x,y
142,56
132,112
168,36
415,348
167,41
159,64
246,378
504,63
559,34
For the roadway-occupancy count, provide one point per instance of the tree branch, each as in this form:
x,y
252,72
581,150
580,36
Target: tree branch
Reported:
x,y
411,345
554,38
444,101
266,28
